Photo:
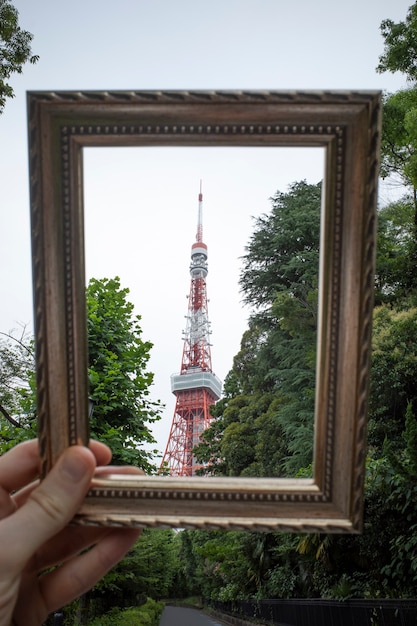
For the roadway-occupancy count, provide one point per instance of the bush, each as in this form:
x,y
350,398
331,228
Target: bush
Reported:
x,y
148,614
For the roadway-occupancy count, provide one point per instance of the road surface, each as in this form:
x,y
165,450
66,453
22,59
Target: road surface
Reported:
x,y
178,616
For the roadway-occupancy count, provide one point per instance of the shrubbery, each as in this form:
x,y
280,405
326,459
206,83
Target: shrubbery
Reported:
x,y
148,614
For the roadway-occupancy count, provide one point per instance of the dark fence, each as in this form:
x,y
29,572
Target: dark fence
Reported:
x,y
324,612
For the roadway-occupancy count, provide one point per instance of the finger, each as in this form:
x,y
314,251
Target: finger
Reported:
x,y
78,575
66,544
20,497
7,504
72,539
101,452
49,507
19,465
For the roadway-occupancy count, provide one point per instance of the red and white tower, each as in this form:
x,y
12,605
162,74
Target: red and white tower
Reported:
x,y
195,387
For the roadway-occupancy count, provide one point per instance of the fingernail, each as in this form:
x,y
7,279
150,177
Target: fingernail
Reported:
x,y
74,465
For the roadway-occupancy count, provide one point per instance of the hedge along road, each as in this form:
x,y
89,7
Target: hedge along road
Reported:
x,y
178,616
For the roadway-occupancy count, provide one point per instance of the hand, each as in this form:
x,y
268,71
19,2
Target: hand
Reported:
x,y
34,533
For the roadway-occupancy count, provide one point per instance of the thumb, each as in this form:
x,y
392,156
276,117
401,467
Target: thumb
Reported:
x,y
51,505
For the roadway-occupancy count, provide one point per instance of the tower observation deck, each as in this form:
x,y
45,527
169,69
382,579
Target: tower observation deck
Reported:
x,y
196,388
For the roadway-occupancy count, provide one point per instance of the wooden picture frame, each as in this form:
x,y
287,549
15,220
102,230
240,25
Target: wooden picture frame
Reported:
x,y
347,126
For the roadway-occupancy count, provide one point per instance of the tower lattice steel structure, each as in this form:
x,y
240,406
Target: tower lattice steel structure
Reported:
x,y
195,387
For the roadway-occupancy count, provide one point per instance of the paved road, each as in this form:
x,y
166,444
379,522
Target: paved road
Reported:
x,y
177,616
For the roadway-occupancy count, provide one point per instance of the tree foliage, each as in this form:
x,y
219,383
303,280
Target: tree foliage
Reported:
x,y
394,372
399,133
15,49
119,379
280,280
282,253
401,569
269,393
400,45
399,138
17,389
148,570
147,614
396,278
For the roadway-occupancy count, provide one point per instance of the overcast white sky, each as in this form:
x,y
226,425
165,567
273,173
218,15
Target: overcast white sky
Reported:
x,y
141,206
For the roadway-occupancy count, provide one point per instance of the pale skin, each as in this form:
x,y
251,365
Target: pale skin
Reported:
x,y
35,535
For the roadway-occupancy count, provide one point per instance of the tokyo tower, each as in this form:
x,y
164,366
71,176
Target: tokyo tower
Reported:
x,y
195,387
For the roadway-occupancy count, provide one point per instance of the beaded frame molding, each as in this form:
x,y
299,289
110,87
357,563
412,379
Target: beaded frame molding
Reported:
x,y
347,125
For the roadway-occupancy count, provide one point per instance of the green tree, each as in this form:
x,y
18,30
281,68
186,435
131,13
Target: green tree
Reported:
x,y
15,49
220,566
381,562
119,379
270,390
148,570
400,45
401,570
396,278
399,138
393,374
280,278
283,251
399,132
236,565
246,439
17,389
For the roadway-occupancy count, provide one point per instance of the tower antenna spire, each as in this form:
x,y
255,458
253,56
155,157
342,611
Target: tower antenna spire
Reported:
x,y
199,236
196,388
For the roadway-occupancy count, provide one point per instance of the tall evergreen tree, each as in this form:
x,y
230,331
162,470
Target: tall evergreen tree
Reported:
x,y
283,252
270,390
